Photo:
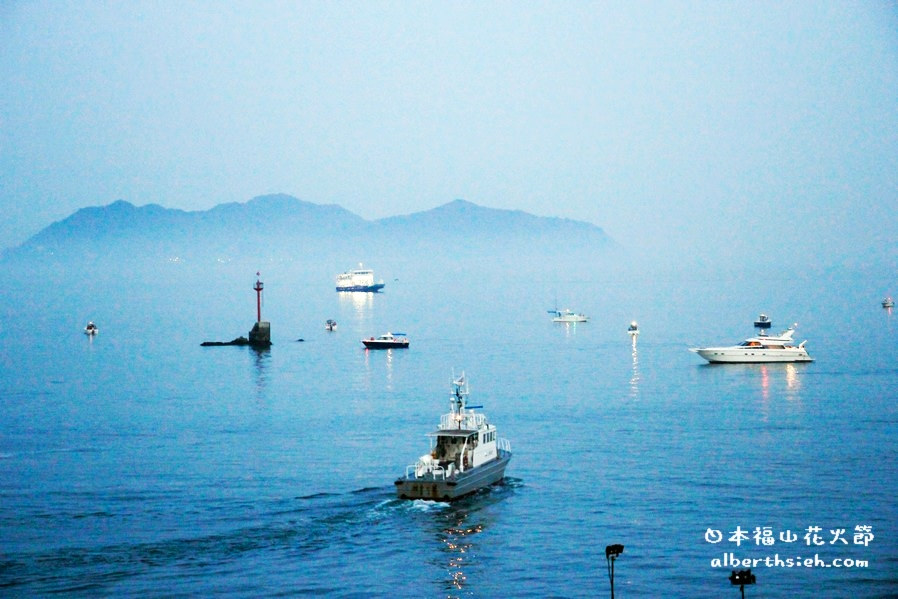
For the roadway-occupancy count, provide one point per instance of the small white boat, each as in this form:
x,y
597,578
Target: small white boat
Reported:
x,y
91,329
763,322
466,454
330,325
386,341
888,303
633,329
760,349
568,316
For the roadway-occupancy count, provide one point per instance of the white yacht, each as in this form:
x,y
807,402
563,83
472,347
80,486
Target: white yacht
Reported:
x,y
466,455
568,316
91,329
360,279
633,330
888,303
762,348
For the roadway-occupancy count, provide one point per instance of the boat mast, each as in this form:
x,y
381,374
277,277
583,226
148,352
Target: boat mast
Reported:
x,y
457,400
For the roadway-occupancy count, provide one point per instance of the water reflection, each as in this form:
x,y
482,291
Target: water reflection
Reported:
x,y
634,377
765,383
793,383
780,379
570,329
388,363
458,543
261,357
359,304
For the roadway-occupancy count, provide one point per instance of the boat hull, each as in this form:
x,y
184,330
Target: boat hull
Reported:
x,y
383,344
363,288
722,355
459,485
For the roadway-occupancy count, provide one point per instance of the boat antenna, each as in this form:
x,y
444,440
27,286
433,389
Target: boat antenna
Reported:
x,y
459,394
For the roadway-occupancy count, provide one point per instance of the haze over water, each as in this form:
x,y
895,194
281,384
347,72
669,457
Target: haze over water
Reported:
x,y
139,463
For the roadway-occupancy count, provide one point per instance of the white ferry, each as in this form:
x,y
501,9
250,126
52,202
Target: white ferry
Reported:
x,y
360,279
762,348
466,455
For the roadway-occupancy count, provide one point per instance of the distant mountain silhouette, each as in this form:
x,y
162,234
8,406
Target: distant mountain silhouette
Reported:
x,y
463,217
281,226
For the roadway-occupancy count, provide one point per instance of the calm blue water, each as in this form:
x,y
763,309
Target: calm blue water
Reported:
x,y
140,463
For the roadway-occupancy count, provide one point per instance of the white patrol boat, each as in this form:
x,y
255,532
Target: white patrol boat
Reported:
x,y
360,279
762,348
466,455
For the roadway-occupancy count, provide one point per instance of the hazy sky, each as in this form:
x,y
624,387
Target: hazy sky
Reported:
x,y
726,127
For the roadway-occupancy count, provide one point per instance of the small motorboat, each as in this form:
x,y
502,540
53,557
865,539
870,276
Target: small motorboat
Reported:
x,y
763,322
888,303
386,341
91,329
330,325
633,329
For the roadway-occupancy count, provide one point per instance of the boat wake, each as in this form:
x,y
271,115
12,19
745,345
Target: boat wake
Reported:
x,y
307,532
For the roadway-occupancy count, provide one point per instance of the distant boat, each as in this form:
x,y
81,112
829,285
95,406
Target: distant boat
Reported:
x,y
91,329
888,303
360,279
330,325
763,322
633,329
760,349
386,341
568,316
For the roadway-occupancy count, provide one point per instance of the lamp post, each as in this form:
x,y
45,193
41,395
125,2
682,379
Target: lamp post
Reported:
x,y
611,553
742,578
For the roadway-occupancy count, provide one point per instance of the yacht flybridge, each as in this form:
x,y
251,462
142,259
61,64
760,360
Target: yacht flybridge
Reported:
x,y
762,348
466,455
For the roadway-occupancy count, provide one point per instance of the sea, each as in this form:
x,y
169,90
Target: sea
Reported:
x,y
140,464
